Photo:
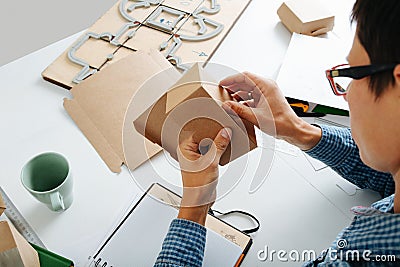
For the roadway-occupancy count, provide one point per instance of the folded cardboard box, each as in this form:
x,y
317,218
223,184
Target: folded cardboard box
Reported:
x,y
193,105
15,251
309,17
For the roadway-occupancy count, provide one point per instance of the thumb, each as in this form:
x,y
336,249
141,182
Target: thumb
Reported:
x,y
240,110
221,141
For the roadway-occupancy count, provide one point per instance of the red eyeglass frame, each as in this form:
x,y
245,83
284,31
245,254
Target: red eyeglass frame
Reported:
x,y
330,75
357,72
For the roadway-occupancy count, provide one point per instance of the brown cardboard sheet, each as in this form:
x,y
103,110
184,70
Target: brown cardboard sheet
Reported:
x,y
99,105
14,249
142,36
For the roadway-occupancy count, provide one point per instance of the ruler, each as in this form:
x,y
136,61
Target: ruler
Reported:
x,y
19,221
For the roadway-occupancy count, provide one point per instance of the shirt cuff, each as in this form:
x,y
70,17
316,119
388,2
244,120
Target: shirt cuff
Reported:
x,y
335,145
184,244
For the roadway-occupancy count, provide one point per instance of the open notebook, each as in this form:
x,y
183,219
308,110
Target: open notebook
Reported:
x,y
137,240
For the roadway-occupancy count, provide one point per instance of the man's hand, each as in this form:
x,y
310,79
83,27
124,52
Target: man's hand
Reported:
x,y
200,175
263,104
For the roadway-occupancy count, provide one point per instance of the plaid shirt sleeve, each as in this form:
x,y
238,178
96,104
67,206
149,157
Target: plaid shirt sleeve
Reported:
x,y
183,246
338,150
371,240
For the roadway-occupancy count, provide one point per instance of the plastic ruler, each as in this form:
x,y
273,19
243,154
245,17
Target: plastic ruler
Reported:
x,y
16,218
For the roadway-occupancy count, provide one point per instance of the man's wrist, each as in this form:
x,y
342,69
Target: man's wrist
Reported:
x,y
196,214
305,136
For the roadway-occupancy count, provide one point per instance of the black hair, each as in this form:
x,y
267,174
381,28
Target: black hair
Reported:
x,y
378,29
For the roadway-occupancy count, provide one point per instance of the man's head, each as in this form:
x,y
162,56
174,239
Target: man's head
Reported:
x,y
374,101
378,29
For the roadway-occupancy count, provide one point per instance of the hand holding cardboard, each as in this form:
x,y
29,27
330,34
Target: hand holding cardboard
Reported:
x,y
193,105
102,105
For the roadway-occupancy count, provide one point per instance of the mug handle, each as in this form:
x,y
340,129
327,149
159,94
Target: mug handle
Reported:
x,y
57,202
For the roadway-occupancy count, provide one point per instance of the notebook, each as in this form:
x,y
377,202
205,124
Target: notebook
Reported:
x,y
137,239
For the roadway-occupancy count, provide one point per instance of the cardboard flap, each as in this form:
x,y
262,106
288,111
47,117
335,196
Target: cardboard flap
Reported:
x,y
2,205
190,82
309,10
100,103
14,249
95,137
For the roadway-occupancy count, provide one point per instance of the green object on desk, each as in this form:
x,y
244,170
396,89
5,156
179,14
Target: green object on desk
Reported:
x,y
330,110
50,259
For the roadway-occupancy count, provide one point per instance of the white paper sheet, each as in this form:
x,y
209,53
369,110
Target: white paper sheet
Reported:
x,y
302,74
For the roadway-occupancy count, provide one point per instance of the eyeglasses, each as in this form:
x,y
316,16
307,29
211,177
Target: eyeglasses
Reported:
x,y
340,77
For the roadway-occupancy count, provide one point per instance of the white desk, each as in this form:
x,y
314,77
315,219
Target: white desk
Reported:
x,y
298,207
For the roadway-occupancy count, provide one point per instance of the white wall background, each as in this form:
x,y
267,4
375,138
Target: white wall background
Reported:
x,y
26,26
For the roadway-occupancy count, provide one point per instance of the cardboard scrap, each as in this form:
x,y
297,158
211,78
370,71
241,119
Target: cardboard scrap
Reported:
x,y
15,251
100,103
193,105
309,17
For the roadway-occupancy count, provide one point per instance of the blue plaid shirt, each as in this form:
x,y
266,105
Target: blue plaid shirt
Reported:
x,y
372,239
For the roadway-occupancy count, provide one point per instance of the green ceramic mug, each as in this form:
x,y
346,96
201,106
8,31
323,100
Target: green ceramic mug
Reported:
x,y
48,178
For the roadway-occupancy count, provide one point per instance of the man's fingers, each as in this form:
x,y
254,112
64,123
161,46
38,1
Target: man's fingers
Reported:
x,y
261,83
240,110
240,87
249,103
238,82
221,141
242,96
190,152
237,78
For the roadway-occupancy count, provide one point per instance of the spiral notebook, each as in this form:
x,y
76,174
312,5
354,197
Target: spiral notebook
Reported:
x,y
138,238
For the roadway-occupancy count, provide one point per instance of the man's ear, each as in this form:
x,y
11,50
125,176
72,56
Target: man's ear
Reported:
x,y
396,74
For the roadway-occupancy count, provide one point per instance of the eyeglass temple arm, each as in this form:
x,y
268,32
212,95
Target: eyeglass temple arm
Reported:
x,y
361,71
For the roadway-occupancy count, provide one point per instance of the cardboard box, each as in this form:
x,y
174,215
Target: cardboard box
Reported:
x,y
14,249
2,205
100,103
309,17
193,105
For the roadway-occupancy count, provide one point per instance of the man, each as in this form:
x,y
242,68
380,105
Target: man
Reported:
x,y
374,101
